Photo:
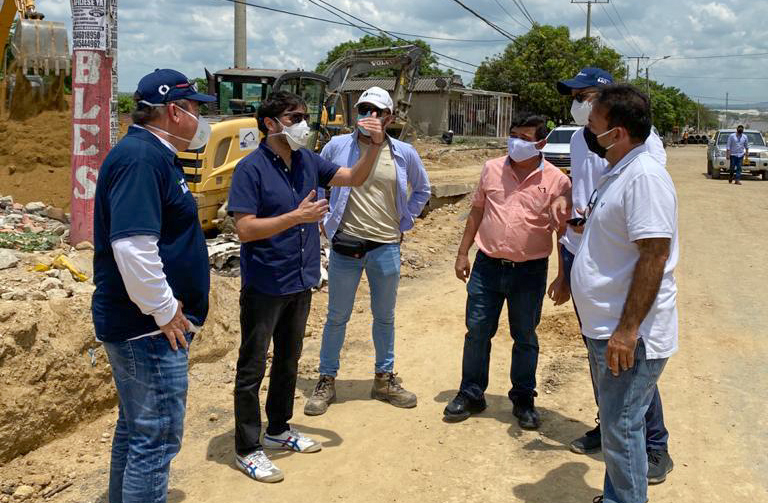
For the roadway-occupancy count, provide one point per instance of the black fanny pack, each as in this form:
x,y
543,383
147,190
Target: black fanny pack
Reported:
x,y
352,246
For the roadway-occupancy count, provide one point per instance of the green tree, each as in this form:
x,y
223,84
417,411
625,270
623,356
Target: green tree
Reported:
x,y
531,65
673,108
428,61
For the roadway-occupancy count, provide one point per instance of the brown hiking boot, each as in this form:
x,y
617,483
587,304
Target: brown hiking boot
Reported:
x,y
322,396
387,389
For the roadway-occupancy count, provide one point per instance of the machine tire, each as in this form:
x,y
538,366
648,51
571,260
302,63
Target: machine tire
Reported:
x,y
765,175
709,166
715,173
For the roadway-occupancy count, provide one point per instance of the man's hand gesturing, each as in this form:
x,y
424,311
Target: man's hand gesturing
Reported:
x,y
311,211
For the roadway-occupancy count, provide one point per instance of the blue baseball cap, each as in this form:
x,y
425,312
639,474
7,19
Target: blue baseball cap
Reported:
x,y
166,85
587,77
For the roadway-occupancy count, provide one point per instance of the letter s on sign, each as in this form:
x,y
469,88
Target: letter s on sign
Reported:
x,y
85,188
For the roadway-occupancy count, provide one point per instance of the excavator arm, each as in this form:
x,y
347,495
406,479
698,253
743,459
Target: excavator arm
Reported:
x,y
405,59
8,12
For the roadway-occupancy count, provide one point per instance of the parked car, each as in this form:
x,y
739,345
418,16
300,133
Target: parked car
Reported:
x,y
755,164
558,148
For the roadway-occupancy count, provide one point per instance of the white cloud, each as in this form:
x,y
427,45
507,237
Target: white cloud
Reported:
x,y
192,34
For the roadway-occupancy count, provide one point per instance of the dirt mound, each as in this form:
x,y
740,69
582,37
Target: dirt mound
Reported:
x,y
53,372
34,158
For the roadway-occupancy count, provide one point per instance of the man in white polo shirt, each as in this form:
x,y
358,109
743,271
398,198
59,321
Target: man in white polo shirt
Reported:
x,y
586,169
623,285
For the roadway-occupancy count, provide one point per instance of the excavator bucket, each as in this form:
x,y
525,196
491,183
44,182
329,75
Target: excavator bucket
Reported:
x,y
41,46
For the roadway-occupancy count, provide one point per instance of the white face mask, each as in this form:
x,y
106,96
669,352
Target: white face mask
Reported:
x,y
609,147
296,134
520,150
201,136
580,112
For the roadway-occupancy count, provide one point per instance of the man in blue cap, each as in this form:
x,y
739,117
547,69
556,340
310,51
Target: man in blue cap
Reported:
x,y
152,281
586,169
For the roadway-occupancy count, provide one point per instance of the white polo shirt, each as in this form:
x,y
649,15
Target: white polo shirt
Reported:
x,y
586,170
636,200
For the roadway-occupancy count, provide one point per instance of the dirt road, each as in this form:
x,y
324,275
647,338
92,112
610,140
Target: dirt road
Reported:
x,y
713,390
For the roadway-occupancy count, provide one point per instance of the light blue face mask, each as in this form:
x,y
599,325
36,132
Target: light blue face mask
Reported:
x,y
362,130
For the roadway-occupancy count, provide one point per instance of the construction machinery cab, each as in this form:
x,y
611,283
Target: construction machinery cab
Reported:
x,y
234,129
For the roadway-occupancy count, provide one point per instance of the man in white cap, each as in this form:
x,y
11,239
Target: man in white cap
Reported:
x,y
365,226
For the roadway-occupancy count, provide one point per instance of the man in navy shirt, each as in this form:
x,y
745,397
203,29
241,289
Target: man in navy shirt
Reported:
x,y
272,198
152,282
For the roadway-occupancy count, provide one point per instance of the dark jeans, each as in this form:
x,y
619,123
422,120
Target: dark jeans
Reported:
x,y
736,162
151,382
263,318
656,434
523,285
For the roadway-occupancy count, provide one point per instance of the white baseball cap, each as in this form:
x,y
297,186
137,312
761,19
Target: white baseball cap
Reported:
x,y
377,97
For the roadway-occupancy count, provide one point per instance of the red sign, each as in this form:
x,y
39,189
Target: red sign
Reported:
x,y
94,82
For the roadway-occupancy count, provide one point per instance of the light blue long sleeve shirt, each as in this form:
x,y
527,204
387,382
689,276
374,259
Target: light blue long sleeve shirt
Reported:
x,y
737,146
344,151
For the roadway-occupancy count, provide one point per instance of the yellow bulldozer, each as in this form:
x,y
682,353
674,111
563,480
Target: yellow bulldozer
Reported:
x,y
239,91
38,49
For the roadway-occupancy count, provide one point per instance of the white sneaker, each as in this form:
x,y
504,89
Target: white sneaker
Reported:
x,y
259,467
291,440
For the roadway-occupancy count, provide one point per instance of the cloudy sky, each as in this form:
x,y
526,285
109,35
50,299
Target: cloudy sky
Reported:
x,y
192,34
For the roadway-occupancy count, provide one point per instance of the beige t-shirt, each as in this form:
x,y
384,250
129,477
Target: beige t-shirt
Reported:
x,y
371,211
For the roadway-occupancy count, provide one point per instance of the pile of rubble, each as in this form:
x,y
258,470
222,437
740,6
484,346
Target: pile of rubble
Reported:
x,y
31,227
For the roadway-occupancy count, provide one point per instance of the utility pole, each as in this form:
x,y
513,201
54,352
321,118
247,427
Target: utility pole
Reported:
x,y
698,115
241,60
726,110
589,11
638,58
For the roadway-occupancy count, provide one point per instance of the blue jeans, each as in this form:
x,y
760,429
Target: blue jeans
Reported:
x,y
151,382
523,286
657,436
736,162
624,401
382,267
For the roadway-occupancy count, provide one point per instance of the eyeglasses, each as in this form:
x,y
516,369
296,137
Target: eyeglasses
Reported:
x,y
366,109
591,203
580,97
296,117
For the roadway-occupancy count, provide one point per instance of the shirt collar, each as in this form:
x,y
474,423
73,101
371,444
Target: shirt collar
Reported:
x,y
627,160
165,142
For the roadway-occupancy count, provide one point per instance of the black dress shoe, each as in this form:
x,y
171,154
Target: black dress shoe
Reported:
x,y
462,407
659,465
526,414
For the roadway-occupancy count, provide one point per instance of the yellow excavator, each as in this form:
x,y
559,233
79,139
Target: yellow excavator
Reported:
x,y
239,91
38,47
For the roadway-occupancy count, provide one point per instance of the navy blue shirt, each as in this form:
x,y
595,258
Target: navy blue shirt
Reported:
x,y
141,191
262,185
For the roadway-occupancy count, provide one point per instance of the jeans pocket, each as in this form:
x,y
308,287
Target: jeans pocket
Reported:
x,y
122,358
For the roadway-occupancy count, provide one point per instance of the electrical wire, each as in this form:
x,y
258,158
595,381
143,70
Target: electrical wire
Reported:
x,y
331,21
391,34
721,100
513,18
748,55
616,27
710,78
608,42
524,10
629,36
495,27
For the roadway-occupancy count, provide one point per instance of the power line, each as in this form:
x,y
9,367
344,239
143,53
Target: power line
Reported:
x,y
710,78
331,21
524,10
615,26
729,99
630,37
601,35
748,55
509,14
391,33
495,27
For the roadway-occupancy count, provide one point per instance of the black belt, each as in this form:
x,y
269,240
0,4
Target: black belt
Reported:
x,y
511,263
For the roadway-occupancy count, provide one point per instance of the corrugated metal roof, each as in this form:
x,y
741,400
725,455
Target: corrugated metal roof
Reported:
x,y
423,84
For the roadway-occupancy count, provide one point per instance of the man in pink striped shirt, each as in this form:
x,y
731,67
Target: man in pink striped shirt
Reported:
x,y
510,224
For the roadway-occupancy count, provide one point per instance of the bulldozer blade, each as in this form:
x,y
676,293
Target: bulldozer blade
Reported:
x,y
41,46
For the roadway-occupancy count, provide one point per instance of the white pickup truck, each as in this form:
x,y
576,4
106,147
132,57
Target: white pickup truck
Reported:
x,y
755,164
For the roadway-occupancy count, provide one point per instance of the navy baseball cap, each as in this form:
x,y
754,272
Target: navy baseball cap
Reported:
x,y
587,77
166,85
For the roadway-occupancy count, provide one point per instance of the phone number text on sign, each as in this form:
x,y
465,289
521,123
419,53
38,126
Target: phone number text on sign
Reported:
x,y
89,24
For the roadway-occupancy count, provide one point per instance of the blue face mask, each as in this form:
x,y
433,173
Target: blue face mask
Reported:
x,y
362,130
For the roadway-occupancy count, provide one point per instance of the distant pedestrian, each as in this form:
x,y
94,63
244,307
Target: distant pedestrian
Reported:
x,y
365,226
150,267
623,284
587,167
737,150
510,223
273,199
